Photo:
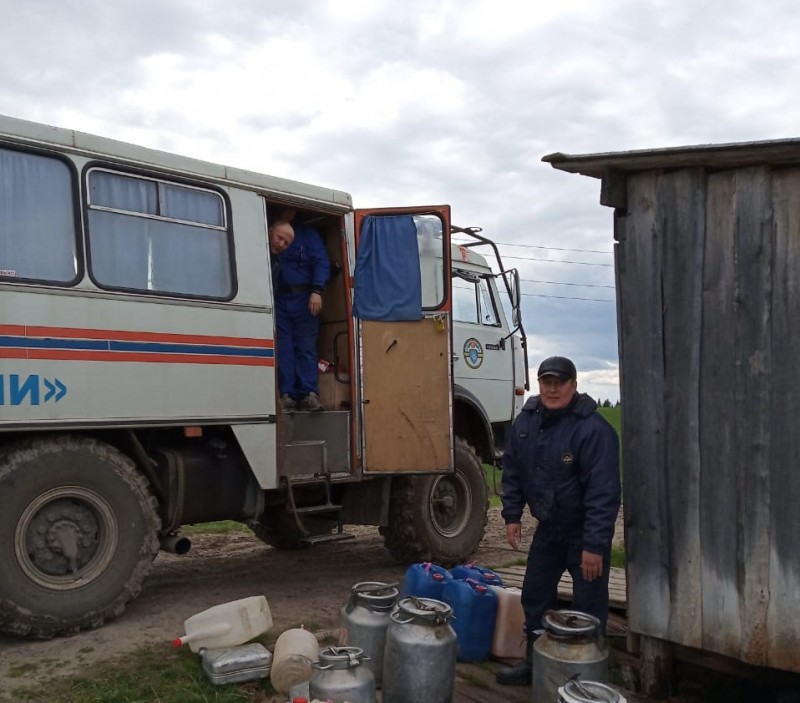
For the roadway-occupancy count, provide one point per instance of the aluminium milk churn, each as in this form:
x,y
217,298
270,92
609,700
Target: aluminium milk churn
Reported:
x,y
340,676
364,621
571,647
577,691
419,662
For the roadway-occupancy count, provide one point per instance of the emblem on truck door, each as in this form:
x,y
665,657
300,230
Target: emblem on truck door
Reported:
x,y
473,353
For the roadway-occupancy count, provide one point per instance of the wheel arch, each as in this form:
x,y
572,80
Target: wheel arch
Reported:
x,y
471,422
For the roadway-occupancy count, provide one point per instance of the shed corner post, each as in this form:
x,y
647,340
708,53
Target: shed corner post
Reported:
x,y
656,667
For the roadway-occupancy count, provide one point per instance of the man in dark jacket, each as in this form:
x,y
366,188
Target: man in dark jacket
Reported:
x,y
562,460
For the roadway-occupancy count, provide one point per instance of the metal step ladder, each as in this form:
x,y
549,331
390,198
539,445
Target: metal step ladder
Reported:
x,y
326,508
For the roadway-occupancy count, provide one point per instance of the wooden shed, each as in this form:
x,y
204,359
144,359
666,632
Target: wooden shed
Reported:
x,y
707,259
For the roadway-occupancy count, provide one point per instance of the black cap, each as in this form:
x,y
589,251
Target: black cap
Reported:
x,y
558,366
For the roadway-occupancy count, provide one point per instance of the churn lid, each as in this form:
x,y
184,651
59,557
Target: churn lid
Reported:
x,y
374,595
340,658
576,691
427,610
570,623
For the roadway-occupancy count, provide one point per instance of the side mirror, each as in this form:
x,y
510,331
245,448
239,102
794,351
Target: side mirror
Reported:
x,y
514,292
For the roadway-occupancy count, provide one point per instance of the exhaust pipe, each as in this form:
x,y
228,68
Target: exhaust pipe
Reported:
x,y
176,544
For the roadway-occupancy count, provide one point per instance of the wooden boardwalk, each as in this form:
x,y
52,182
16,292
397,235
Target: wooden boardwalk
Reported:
x,y
617,593
475,683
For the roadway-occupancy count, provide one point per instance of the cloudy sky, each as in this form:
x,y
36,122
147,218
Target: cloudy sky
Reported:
x,y
424,102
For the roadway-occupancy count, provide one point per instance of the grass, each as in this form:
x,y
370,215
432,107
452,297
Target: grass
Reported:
x,y
222,527
614,417
154,674
493,476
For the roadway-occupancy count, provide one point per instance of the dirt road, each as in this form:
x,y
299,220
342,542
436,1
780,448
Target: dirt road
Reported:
x,y
307,586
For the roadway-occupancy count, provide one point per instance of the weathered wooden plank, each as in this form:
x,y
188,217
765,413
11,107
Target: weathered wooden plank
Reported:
x,y
475,683
617,584
784,565
718,450
753,241
681,197
638,272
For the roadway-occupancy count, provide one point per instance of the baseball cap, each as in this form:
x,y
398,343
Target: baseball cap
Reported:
x,y
558,366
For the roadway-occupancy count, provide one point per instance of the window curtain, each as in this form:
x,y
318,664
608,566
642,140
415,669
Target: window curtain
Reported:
x,y
37,222
388,284
142,253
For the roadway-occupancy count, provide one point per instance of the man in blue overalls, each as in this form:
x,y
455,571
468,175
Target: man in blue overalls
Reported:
x,y
299,276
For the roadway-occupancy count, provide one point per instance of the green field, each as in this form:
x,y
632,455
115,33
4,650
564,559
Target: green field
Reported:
x,y
614,417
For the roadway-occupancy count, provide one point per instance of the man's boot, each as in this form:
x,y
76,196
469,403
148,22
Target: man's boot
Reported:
x,y
522,673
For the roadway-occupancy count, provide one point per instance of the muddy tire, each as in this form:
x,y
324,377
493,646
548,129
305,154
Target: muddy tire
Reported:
x,y
78,535
278,529
439,518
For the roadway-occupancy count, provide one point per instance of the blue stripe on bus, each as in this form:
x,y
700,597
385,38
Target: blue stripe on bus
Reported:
x,y
151,347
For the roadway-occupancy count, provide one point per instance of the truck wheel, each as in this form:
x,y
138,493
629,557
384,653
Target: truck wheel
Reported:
x,y
279,529
78,535
439,518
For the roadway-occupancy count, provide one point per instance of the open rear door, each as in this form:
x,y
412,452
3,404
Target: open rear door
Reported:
x,y
401,302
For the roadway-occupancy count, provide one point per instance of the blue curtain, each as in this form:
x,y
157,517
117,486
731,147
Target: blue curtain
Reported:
x,y
388,284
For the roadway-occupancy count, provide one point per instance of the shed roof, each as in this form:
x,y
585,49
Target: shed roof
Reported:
x,y
775,152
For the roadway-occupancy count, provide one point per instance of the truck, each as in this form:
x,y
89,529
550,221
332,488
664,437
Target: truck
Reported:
x,y
137,372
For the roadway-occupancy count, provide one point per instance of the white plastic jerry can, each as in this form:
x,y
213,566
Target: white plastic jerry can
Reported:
x,y
226,624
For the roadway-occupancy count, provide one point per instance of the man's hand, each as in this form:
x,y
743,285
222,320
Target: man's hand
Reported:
x,y
591,565
315,304
514,534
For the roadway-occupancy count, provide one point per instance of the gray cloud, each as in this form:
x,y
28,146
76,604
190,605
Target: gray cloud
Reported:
x,y
423,103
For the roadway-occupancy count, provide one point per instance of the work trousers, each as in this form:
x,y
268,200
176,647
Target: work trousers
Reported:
x,y
296,345
554,550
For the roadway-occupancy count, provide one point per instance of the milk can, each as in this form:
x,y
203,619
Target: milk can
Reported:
x,y
364,621
419,662
340,677
571,646
577,691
